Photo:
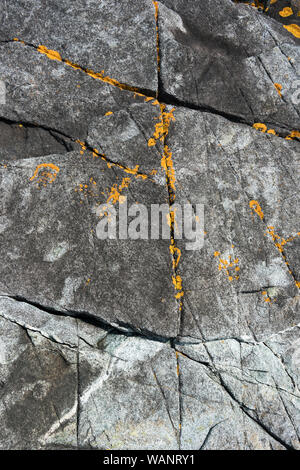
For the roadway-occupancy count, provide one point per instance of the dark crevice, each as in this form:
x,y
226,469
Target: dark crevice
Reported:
x,y
121,328
209,433
105,79
166,98
65,143
59,136
281,129
69,142
257,291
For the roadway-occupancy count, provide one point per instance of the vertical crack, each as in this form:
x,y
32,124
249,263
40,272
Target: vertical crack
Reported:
x,y
78,387
159,81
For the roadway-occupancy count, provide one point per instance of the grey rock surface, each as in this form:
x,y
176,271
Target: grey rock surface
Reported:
x,y
96,36
144,343
84,387
247,182
58,261
229,61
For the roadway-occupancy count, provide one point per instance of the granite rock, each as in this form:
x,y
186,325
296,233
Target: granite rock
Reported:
x,y
108,342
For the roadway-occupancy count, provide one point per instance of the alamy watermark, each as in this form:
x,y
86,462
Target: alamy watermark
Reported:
x,y
160,221
2,92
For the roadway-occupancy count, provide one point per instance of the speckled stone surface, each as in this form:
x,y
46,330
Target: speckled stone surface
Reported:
x,y
144,343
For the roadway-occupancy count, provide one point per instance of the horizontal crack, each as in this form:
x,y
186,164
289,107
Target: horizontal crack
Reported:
x,y
162,96
235,118
121,328
54,55
67,142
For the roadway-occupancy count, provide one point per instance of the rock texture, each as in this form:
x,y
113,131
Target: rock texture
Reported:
x,y
143,343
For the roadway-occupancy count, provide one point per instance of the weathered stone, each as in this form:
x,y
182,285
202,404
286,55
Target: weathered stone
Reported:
x,y
238,283
144,343
18,141
50,211
231,61
118,38
245,396
80,386
52,94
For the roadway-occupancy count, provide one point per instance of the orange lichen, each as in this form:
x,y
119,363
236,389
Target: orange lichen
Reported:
x,y
286,11
176,254
177,354
254,205
265,296
177,281
278,88
293,135
116,190
167,165
280,242
294,29
162,126
230,266
96,154
260,126
43,175
160,133
53,55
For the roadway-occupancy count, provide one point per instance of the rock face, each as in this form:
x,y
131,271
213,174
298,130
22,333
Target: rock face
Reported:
x,y
139,341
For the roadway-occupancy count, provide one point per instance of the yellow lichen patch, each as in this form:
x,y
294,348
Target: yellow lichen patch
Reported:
x,y
18,40
96,154
167,165
53,55
278,88
293,135
286,11
88,190
176,278
176,254
43,175
229,266
162,126
177,281
294,29
280,242
263,128
260,126
265,296
254,205
116,190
